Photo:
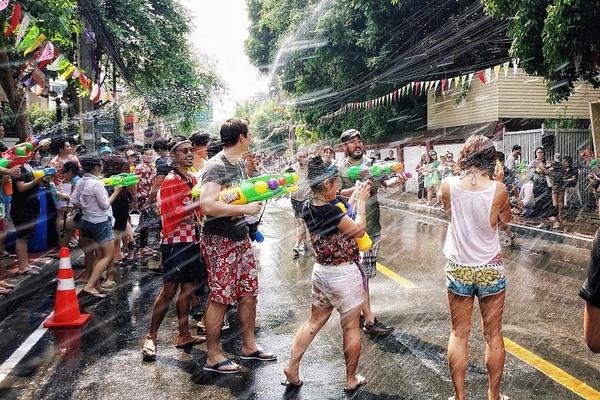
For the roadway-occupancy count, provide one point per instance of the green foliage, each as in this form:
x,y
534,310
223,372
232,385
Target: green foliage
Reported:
x,y
349,41
562,121
152,38
556,39
41,118
57,20
268,120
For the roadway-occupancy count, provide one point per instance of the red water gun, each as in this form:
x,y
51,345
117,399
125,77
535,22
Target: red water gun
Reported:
x,y
19,154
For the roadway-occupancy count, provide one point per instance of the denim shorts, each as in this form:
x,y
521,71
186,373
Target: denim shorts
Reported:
x,y
481,281
100,233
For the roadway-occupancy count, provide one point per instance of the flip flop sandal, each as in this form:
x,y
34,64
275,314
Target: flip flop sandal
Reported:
x,y
504,397
217,367
6,254
149,353
29,271
195,340
6,285
361,381
292,385
96,295
109,286
5,291
259,355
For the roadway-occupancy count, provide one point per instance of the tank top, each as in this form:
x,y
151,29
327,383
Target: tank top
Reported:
x,y
470,240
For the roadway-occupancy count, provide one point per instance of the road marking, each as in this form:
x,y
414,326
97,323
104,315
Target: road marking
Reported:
x,y
405,283
552,371
16,357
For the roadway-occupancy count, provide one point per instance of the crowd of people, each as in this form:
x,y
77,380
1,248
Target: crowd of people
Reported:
x,y
208,263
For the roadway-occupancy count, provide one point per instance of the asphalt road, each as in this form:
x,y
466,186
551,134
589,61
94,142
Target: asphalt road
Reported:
x,y
542,326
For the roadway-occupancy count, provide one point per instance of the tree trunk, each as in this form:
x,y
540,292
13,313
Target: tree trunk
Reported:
x,y
15,93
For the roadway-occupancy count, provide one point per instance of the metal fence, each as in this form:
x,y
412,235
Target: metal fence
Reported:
x,y
567,142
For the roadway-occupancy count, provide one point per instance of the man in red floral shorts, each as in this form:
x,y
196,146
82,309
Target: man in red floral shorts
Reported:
x,y
232,274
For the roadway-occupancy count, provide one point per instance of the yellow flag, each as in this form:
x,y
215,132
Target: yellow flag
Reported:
x,y
37,43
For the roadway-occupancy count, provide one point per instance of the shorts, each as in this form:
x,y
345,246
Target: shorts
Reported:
x,y
339,286
100,232
481,281
369,259
24,225
181,262
297,207
120,209
231,267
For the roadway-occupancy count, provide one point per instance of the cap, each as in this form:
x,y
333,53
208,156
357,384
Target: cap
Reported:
x,y
349,135
557,157
104,150
130,153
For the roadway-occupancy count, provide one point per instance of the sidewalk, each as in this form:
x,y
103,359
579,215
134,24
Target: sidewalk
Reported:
x,y
578,228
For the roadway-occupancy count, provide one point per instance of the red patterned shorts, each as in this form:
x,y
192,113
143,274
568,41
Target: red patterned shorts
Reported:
x,y
231,268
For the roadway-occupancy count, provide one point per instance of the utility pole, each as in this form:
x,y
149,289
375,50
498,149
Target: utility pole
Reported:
x,y
86,108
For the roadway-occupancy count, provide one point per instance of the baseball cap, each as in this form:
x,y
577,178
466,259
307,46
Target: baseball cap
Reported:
x,y
104,150
349,135
130,153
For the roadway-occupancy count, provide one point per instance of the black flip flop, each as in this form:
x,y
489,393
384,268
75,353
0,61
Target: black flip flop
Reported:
x,y
216,367
195,340
259,355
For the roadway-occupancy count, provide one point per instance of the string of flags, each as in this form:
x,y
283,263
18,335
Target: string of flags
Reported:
x,y
420,88
29,40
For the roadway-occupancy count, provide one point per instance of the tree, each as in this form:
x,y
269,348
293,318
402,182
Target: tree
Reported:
x,y
555,39
270,122
151,36
57,19
331,52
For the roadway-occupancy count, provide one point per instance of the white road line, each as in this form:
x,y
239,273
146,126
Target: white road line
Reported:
x,y
16,357
515,225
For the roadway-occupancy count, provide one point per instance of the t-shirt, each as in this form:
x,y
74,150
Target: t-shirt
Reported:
x,y
331,246
373,212
510,162
27,202
571,173
220,171
590,290
389,159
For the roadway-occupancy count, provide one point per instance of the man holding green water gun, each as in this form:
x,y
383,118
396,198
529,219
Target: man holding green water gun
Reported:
x,y
354,148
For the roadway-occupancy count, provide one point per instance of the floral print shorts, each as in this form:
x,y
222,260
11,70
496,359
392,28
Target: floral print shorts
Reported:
x,y
231,268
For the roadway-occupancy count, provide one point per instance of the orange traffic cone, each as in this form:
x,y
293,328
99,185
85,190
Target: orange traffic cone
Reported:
x,y
66,306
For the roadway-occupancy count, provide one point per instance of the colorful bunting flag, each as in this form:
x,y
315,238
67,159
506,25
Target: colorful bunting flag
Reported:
x,y
471,75
488,75
59,64
481,76
14,20
505,67
496,71
30,38
515,64
37,43
46,53
4,4
66,74
25,22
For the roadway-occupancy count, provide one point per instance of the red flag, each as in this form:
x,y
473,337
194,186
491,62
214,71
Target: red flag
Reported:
x,y
481,76
444,84
14,20
416,89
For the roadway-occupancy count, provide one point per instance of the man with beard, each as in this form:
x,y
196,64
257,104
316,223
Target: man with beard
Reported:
x,y
353,147
179,247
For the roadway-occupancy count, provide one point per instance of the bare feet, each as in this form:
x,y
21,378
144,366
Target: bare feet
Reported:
x,y
355,383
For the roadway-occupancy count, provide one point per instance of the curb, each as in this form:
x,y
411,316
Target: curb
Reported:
x,y
25,287
521,230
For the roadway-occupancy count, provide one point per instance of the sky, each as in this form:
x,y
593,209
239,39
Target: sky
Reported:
x,y
220,29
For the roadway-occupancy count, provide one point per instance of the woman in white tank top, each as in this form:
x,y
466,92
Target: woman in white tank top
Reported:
x,y
476,206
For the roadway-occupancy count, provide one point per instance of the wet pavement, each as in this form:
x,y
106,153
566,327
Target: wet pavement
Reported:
x,y
543,315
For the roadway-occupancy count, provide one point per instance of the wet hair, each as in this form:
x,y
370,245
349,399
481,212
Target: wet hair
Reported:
x,y
199,139
160,145
536,150
568,159
318,172
81,149
501,156
59,143
478,152
89,161
214,147
231,130
516,147
71,166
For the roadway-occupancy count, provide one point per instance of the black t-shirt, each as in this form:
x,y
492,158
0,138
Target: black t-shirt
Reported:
x,y
590,291
164,166
25,203
322,220
219,170
571,173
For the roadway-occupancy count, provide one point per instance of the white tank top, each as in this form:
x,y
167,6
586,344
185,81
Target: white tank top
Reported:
x,y
470,240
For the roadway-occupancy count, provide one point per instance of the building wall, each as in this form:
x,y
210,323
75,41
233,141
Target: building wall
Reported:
x,y
516,96
523,96
482,106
